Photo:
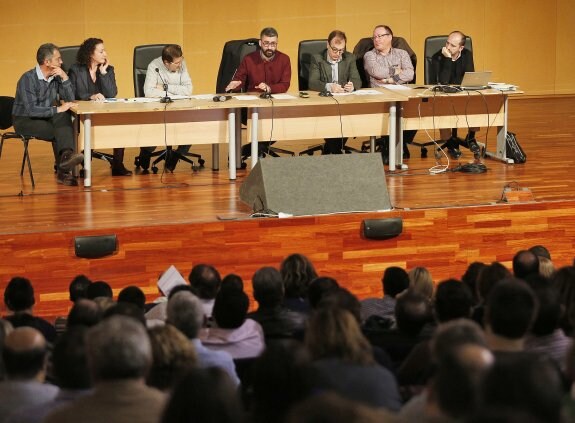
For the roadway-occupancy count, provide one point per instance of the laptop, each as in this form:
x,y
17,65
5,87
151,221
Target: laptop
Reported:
x,y
476,80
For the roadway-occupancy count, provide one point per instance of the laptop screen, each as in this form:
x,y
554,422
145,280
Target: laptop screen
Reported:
x,y
476,80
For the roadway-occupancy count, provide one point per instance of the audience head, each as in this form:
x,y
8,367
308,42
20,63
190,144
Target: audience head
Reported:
x,y
510,309
268,287
69,360
132,295
172,356
204,395
118,348
564,281
343,299
19,295
233,280
231,308
46,52
525,263
319,287
280,379
527,382
5,329
99,289
452,300
546,268
186,313
128,310
470,276
541,251
412,313
488,277
297,273
421,282
452,335
205,281
170,53
395,280
78,287
334,333
25,354
84,312
86,50
549,311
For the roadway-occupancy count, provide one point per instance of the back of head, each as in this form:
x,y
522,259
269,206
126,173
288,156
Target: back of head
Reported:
x,y
452,300
19,294
205,281
489,276
99,289
527,382
118,348
173,355
546,267
186,313
233,280
343,299
24,353
171,52
318,288
421,282
395,280
77,288
69,360
334,333
549,310
230,308
126,309
132,295
510,309
470,276
297,273
452,335
204,395
84,312
268,287
412,313
525,263
564,281
541,251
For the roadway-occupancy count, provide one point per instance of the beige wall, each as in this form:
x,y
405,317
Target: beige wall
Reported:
x,y
526,42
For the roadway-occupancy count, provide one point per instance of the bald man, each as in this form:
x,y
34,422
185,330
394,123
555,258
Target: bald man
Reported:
x,y
24,355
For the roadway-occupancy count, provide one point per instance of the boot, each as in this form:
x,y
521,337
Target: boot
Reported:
x,y
118,168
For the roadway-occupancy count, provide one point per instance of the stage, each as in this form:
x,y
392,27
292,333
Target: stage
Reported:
x,y
450,219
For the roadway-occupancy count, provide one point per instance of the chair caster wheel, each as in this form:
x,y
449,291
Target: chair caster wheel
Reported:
x,y
244,165
423,152
155,169
201,162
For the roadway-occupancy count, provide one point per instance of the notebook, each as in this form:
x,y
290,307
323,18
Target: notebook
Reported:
x,y
476,80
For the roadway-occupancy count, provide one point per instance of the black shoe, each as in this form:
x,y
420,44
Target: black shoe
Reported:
x,y
143,160
474,148
66,178
453,148
406,154
120,170
69,159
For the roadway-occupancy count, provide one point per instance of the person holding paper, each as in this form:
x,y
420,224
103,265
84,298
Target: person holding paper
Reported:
x,y
167,75
334,70
93,78
448,66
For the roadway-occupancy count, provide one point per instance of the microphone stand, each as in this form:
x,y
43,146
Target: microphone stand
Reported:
x,y
166,98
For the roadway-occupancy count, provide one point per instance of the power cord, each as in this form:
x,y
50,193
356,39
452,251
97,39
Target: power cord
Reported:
x,y
470,168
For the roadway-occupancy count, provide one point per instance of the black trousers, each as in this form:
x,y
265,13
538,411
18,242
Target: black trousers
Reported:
x,y
57,128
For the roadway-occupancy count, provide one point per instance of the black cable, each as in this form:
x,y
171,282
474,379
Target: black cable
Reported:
x,y
340,121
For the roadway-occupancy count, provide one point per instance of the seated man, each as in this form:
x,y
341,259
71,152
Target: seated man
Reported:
x,y
449,65
167,75
334,71
39,110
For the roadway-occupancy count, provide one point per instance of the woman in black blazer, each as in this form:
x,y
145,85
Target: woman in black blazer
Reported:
x,y
93,79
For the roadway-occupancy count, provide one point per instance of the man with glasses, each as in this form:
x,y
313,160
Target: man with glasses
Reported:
x,y
335,71
44,96
169,69
448,66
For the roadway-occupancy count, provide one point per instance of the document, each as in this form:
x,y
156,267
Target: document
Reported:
x,y
170,279
246,97
367,92
396,87
283,97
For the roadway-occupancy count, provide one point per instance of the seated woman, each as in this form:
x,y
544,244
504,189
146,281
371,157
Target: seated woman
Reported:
x,y
93,78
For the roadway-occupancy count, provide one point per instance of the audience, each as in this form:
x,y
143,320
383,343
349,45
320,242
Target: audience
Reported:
x,y
525,263
99,289
318,288
488,277
564,281
77,291
395,280
421,282
297,273
205,282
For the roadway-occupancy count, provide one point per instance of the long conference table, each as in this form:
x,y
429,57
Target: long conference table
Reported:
x,y
139,123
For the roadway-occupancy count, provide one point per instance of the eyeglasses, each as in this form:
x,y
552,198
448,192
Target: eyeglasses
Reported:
x,y
269,43
337,50
377,37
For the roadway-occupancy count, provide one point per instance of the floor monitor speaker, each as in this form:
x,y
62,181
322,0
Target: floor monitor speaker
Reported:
x,y
382,228
308,185
95,246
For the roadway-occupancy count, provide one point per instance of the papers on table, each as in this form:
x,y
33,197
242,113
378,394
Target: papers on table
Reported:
x,y
367,92
283,97
170,279
246,97
502,86
396,87
131,100
203,96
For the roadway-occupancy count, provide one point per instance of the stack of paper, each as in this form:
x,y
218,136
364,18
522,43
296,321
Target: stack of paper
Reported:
x,y
502,86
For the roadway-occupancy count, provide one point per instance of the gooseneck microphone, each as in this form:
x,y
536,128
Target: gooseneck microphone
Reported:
x,y
166,98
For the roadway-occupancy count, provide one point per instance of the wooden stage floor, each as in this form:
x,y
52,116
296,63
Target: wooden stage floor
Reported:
x,y
450,219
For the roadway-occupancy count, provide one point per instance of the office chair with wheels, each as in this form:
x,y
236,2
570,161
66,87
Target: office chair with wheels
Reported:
x,y
6,104
432,45
363,46
69,54
232,55
306,49
143,55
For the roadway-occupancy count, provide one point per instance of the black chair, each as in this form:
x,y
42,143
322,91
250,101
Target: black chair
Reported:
x,y
69,54
143,55
6,104
363,46
432,45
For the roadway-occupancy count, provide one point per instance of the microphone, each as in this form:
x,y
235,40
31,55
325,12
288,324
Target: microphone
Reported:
x,y
166,98
221,98
266,94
